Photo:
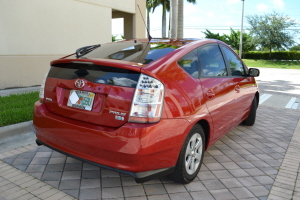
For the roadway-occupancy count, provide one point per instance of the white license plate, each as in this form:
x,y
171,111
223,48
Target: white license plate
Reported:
x,y
81,99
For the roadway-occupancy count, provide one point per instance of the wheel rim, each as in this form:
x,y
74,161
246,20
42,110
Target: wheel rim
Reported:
x,y
193,154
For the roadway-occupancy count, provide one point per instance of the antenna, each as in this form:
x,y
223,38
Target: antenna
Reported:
x,y
149,36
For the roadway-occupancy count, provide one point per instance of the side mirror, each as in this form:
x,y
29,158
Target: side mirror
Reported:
x,y
253,72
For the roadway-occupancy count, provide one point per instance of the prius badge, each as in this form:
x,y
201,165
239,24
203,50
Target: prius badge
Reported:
x,y
117,115
79,83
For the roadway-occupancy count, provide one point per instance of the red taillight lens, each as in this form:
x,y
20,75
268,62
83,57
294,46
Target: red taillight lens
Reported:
x,y
147,101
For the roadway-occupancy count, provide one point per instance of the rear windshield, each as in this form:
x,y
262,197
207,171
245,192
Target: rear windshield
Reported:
x,y
95,73
140,52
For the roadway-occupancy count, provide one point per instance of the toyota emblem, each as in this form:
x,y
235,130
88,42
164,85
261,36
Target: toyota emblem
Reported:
x,y
79,83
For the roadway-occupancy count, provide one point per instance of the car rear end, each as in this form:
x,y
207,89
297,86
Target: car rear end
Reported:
x,y
109,112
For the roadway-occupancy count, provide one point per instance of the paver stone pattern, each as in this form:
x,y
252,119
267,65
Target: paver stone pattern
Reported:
x,y
243,164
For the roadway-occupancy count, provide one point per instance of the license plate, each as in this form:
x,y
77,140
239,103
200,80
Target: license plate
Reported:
x,y
81,99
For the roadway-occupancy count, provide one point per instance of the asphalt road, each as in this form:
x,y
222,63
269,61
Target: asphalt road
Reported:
x,y
279,81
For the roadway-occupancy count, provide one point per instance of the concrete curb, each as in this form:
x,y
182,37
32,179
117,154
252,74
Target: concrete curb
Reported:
x,y
15,129
7,92
287,180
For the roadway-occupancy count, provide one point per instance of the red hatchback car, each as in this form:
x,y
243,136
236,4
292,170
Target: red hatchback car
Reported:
x,y
145,108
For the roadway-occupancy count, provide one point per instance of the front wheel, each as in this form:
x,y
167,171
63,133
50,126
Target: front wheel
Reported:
x,y
191,156
250,120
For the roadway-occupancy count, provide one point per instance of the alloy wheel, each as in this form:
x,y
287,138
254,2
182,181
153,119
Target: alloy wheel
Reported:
x,y
193,153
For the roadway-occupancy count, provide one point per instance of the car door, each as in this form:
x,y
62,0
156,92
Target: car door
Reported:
x,y
218,88
243,84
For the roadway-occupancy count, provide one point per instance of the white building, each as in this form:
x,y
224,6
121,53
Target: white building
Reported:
x,y
34,32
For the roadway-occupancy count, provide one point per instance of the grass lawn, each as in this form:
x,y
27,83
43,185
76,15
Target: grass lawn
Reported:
x,y
272,64
17,108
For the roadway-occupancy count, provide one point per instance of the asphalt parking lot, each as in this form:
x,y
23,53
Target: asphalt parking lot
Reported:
x,y
258,162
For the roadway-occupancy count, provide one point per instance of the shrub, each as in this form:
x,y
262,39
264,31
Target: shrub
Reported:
x,y
277,55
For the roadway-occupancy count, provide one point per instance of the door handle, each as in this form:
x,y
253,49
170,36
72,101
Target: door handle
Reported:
x,y
210,94
237,88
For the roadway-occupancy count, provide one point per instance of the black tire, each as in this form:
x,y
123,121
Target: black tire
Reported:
x,y
250,120
183,173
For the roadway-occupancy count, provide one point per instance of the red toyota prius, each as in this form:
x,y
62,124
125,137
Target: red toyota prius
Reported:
x,y
145,108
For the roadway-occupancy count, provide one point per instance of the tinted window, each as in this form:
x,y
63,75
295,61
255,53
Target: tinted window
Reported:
x,y
235,64
190,63
157,51
140,52
95,73
212,62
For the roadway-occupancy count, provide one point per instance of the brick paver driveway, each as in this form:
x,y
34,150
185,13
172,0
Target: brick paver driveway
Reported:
x,y
243,164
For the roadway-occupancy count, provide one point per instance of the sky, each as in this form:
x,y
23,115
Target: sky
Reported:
x,y
219,15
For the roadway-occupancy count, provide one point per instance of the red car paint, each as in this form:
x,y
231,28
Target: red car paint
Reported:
x,y
217,103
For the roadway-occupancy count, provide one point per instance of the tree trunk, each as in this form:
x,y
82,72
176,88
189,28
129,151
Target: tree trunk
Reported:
x,y
148,22
180,19
270,54
164,20
173,16
169,29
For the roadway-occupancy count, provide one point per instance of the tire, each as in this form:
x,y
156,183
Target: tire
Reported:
x,y
250,120
191,156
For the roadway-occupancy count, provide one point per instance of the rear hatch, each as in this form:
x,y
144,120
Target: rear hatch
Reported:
x,y
92,92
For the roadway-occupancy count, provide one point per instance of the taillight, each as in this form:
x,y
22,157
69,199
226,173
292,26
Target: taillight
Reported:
x,y
147,101
41,95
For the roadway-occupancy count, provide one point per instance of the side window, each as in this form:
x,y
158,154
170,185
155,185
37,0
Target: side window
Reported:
x,y
235,64
212,62
190,64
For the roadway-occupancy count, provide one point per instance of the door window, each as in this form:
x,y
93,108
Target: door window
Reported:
x,y
235,64
212,62
190,64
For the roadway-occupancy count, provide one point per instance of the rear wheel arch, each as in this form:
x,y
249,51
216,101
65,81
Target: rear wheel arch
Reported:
x,y
206,128
191,156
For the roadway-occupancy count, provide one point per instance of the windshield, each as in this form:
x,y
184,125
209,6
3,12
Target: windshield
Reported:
x,y
140,52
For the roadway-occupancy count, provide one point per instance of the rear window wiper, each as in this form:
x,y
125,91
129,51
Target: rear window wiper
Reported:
x,y
84,50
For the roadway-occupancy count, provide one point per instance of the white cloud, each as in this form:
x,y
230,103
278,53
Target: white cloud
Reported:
x,y
279,4
210,14
196,20
229,23
189,8
262,7
193,21
224,16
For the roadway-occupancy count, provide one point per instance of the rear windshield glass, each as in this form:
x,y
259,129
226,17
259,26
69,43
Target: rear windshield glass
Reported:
x,y
95,73
140,52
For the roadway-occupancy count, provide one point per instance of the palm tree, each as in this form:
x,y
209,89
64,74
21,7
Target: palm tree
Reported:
x,y
173,19
165,7
149,6
180,17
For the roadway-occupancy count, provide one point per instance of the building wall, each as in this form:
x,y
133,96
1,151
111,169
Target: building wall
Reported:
x,y
34,32
23,71
123,5
139,25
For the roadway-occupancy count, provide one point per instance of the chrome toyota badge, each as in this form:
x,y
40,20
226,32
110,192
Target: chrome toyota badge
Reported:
x,y
79,83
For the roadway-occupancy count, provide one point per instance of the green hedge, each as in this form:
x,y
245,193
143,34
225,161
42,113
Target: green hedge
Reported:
x,y
276,55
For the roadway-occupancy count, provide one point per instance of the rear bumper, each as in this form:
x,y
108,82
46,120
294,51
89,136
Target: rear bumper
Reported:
x,y
140,177
140,150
